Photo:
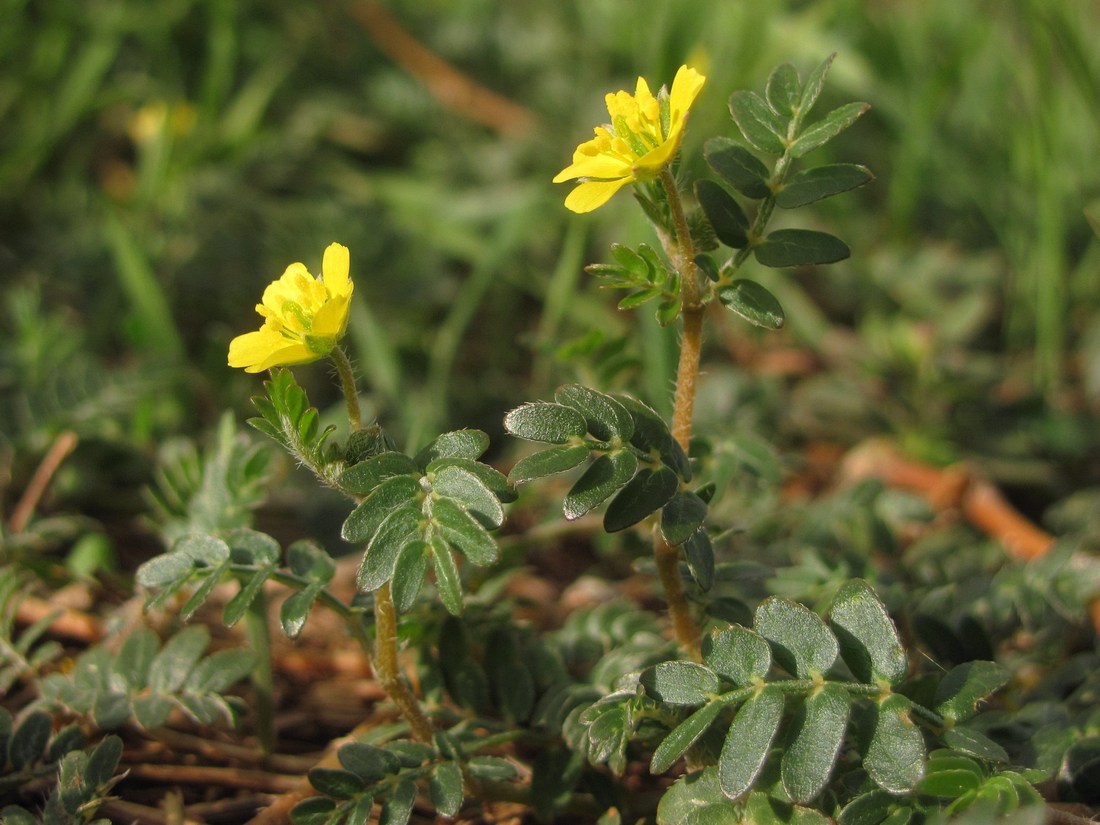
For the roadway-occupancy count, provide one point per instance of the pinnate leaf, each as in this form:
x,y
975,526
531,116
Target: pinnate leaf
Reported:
x,y
548,462
896,753
964,686
682,516
801,642
546,422
817,734
738,654
748,741
604,476
684,735
725,215
738,167
869,641
821,182
681,683
644,494
784,89
469,444
605,417
760,125
827,128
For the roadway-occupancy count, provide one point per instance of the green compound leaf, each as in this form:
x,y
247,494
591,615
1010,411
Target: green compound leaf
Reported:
x,y
960,691
801,642
651,433
870,808
823,182
493,479
682,517
951,776
869,641
170,668
462,530
380,559
447,580
469,491
603,477
445,788
752,302
817,733
827,128
362,478
546,422
681,683
762,127
739,167
749,740
644,494
738,654
392,494
547,463
800,247
784,90
367,762
726,217
317,810
409,572
814,84
605,417
895,756
684,735
28,740
469,444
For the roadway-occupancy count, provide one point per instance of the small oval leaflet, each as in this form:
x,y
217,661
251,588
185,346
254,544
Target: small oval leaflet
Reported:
x,y
752,302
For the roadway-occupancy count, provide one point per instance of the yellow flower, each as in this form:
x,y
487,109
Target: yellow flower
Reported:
x,y
303,317
641,140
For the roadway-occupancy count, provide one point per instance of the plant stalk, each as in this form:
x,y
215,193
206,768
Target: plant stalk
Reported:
x,y
347,384
263,684
388,670
667,556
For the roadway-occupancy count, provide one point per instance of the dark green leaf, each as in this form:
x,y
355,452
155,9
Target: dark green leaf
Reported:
x,y
447,580
699,554
136,656
739,167
295,610
467,490
547,462
445,788
175,661
800,247
462,530
469,444
397,529
823,182
827,128
252,547
251,587
494,480
817,733
960,691
895,755
683,736
748,741
869,641
681,683
603,477
69,738
783,90
682,516
975,743
202,592
165,569
668,310
336,783
28,740
367,762
408,573
398,808
726,217
152,711
306,559
605,417
761,127
392,494
204,549
800,640
652,433
814,83
314,811
360,813
546,422
752,302
221,670
738,654
636,299
360,479
950,783
696,799
867,809
644,494
492,768
102,762
708,267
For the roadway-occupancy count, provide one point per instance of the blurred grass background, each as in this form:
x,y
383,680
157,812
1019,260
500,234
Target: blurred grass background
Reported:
x,y
160,163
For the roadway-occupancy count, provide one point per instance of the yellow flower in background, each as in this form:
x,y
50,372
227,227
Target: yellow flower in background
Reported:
x,y
641,140
304,316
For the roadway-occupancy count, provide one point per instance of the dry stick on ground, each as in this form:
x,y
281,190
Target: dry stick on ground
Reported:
x,y
447,84
958,488
64,444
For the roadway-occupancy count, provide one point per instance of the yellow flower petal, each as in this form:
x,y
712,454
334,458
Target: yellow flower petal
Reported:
x,y
593,194
335,268
635,147
331,320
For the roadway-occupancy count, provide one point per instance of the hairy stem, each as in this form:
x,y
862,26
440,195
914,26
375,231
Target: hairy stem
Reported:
x,y
666,555
387,668
347,384
263,685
